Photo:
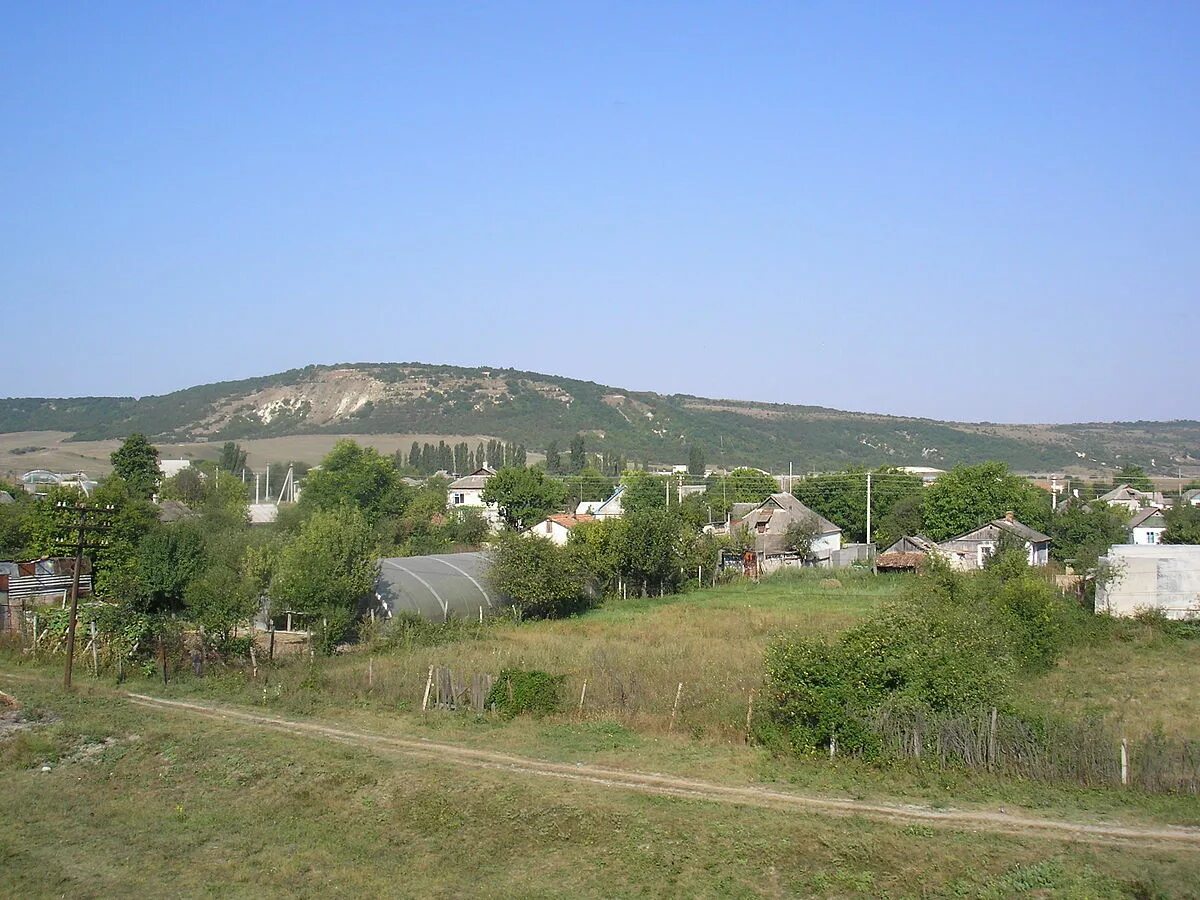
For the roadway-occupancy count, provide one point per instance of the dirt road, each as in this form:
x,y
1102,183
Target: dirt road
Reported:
x,y
1159,837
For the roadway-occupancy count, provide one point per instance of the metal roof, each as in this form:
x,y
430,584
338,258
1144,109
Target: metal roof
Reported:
x,y
438,587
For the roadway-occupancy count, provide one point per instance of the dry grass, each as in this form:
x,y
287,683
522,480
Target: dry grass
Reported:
x,y
56,452
1136,676
633,654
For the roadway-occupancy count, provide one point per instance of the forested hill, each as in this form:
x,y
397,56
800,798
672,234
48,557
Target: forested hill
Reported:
x,y
534,409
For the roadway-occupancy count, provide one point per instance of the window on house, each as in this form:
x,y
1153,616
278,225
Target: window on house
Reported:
x,y
548,526
460,499
762,527
985,553
1151,537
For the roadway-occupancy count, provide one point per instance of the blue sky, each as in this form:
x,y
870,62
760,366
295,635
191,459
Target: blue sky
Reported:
x,y
960,210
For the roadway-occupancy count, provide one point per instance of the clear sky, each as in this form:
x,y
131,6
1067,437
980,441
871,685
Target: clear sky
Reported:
x,y
961,210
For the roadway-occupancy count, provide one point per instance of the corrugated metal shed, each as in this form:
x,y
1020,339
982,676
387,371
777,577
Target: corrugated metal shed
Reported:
x,y
438,587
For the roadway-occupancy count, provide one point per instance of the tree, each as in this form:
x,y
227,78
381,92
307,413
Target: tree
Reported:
x,y
696,460
325,569
1082,534
578,453
553,462
188,486
739,486
542,579
644,492
220,597
801,533
524,496
842,497
168,558
970,496
233,458
136,462
1183,524
1135,477
905,518
650,550
357,475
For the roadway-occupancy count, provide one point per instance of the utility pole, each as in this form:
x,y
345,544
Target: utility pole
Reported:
x,y
868,507
88,522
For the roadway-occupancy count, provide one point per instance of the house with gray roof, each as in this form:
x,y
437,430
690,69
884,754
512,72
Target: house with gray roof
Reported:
x,y
1132,499
971,550
1147,526
468,492
768,522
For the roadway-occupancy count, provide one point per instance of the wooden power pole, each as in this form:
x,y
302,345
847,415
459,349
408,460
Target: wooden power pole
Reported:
x,y
83,530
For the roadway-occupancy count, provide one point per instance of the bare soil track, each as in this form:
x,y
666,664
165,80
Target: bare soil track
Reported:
x,y
1158,837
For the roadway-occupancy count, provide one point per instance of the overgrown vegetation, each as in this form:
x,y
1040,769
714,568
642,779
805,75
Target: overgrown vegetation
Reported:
x,y
956,643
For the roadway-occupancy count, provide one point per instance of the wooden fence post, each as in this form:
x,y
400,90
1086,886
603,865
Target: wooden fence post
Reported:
x,y
582,696
253,659
749,714
992,740
1124,761
428,687
370,672
675,708
833,745
95,653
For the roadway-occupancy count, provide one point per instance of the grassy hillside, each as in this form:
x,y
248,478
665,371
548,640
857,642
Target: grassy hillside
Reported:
x,y
414,398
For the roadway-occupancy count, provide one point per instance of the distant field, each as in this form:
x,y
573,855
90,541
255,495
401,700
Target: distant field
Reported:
x,y
24,450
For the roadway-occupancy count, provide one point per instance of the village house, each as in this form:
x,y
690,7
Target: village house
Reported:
x,y
1132,499
603,509
1147,526
971,550
468,492
557,528
767,525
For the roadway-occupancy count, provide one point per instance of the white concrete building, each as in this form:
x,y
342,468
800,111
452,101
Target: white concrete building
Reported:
x,y
1164,577
468,492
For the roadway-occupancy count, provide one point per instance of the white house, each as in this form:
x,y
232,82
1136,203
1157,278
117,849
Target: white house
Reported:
x,y
1192,496
557,528
1147,526
169,468
468,492
603,509
1132,499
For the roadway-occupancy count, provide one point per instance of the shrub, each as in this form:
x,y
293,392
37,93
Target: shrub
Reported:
x,y
542,580
954,645
518,691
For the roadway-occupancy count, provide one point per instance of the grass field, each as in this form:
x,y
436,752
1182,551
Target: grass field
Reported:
x,y
153,801
143,802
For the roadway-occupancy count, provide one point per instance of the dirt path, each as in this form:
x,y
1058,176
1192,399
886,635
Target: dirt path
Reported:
x,y
1159,837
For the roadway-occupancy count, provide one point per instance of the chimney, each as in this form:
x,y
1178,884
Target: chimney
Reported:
x,y
1008,516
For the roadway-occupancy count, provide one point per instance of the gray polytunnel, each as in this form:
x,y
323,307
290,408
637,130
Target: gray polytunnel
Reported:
x,y
438,587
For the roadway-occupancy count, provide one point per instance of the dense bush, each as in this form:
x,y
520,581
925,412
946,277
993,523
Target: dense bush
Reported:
x,y
516,691
955,644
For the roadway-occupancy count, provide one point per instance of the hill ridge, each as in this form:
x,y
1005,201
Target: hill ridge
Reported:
x,y
535,408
